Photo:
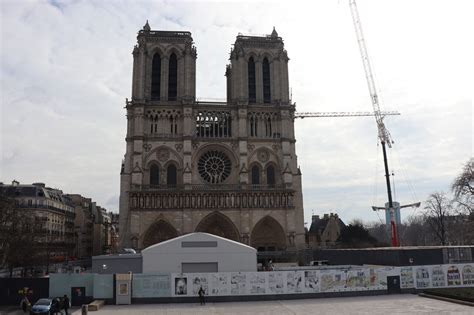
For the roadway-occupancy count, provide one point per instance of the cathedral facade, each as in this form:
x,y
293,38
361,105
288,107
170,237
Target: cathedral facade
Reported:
x,y
226,168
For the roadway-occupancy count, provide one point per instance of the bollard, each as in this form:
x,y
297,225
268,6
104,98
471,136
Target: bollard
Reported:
x,y
84,309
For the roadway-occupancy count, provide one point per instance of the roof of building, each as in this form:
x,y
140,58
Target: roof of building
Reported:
x,y
319,224
17,190
198,237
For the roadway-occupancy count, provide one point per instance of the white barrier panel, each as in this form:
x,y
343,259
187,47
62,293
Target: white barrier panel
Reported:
x,y
406,278
437,276
301,281
151,285
280,282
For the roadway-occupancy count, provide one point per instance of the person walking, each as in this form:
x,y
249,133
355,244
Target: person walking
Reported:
x,y
201,293
25,304
66,304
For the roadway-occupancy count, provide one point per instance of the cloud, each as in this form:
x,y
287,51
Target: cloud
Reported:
x,y
66,71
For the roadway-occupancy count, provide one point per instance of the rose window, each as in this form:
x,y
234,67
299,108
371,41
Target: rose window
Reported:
x,y
214,166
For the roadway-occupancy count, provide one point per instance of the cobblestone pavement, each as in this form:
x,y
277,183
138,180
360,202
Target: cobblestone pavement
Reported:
x,y
386,304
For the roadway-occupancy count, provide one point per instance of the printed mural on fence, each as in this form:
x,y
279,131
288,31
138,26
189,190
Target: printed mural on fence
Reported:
x,y
271,282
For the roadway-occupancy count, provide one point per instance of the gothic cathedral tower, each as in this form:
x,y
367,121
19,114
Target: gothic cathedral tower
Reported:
x,y
226,168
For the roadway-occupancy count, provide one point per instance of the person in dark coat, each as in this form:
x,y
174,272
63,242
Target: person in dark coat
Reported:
x,y
201,293
55,306
25,303
66,304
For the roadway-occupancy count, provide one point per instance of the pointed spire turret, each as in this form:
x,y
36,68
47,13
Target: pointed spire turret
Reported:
x,y
146,27
274,33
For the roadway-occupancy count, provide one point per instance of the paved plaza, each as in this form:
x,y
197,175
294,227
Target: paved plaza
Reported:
x,y
385,304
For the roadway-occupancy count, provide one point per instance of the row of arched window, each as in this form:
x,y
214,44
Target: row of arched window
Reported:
x,y
252,84
164,125
214,124
156,92
171,175
263,126
269,174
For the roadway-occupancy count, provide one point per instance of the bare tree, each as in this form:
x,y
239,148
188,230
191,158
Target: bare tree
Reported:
x,y
416,232
380,232
463,188
17,239
438,208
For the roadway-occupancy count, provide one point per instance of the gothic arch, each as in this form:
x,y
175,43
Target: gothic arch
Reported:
x,y
218,224
267,55
272,158
251,53
255,173
266,80
154,173
173,74
270,174
173,156
172,173
174,49
156,50
158,232
251,79
268,234
156,76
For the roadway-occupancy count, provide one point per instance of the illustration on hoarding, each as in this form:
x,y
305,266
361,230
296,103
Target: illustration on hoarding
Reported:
x,y
257,283
198,282
181,286
467,275
437,277
238,283
275,282
333,280
311,281
406,277
454,277
422,278
356,278
219,284
294,282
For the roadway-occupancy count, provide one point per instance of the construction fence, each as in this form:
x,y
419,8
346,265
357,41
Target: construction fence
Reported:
x,y
347,279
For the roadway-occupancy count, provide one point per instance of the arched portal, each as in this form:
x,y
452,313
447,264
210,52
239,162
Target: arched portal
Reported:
x,y
218,224
268,235
158,232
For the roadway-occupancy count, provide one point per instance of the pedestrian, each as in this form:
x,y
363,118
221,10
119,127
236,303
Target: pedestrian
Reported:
x,y
25,304
201,293
55,306
66,304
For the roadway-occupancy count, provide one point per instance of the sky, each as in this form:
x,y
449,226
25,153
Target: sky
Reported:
x,y
66,69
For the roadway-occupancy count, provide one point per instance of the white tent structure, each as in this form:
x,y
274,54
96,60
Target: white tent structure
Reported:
x,y
198,252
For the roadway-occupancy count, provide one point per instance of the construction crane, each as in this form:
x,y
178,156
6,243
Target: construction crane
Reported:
x,y
383,134
341,114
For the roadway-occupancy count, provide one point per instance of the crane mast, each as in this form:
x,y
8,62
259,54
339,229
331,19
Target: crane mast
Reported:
x,y
383,134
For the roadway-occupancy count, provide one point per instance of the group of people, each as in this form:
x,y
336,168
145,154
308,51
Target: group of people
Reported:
x,y
61,304
57,305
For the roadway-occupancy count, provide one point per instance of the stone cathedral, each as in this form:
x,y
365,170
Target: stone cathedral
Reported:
x,y
225,168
